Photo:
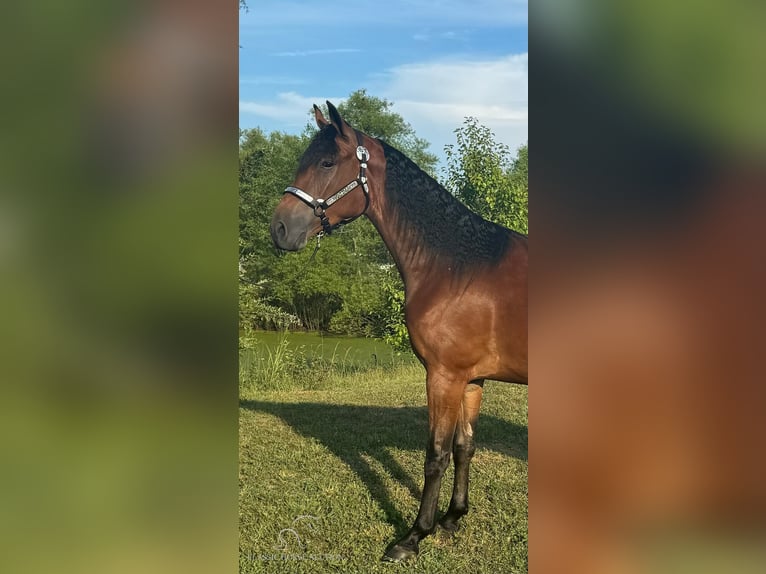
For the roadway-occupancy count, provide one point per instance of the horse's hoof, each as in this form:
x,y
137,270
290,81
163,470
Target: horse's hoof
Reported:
x,y
399,554
448,528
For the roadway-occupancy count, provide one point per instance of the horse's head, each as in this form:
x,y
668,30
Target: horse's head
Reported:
x,y
330,186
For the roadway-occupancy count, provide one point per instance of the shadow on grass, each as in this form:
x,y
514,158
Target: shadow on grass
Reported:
x,y
352,432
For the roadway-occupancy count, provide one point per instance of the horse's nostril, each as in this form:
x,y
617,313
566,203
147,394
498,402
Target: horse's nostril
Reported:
x,y
281,230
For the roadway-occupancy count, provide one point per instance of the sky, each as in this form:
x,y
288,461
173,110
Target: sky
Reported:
x,y
438,61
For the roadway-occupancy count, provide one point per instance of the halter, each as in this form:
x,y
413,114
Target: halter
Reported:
x,y
320,205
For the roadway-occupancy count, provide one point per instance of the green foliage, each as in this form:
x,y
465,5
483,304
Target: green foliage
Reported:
x,y
277,367
295,361
362,312
483,175
255,313
395,333
266,166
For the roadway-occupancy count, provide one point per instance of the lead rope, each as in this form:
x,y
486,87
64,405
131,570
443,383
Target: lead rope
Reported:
x,y
305,269
316,248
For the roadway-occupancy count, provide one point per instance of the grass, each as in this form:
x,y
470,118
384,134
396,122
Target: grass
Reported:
x,y
330,476
351,350
278,361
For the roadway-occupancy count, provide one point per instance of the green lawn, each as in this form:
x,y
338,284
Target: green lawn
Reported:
x,y
330,476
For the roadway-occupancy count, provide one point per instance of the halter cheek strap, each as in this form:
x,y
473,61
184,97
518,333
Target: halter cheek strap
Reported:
x,y
320,205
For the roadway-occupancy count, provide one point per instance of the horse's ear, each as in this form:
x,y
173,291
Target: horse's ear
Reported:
x,y
335,118
321,121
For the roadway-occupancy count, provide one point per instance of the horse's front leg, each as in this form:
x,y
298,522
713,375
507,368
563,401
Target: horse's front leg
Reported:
x,y
445,393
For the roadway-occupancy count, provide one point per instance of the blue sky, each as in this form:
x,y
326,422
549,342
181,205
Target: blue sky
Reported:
x,y
436,60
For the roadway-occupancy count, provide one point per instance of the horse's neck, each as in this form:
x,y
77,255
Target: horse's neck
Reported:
x,y
404,246
409,210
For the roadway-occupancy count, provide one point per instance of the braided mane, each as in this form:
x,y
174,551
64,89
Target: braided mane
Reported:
x,y
444,226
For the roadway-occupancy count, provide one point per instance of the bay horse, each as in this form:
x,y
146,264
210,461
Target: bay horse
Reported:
x,y
465,282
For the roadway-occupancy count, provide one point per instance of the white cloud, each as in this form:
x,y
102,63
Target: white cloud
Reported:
x,y
320,52
270,81
290,108
285,108
436,96
427,35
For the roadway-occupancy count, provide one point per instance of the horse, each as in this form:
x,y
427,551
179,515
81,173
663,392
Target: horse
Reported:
x,y
465,283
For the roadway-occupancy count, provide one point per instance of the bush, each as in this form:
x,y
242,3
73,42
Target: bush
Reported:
x,y
363,313
255,313
395,333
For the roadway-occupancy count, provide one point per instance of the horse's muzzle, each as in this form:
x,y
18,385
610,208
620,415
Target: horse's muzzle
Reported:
x,y
288,234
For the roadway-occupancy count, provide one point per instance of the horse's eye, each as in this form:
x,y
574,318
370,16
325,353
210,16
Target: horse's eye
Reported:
x,y
328,163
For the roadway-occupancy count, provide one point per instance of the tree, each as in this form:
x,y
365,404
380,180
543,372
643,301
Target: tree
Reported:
x,y
517,203
483,174
266,165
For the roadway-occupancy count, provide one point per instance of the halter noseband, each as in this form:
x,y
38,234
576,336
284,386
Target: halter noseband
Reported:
x,y
320,205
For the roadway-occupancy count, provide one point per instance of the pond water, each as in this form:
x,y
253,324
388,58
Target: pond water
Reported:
x,y
355,351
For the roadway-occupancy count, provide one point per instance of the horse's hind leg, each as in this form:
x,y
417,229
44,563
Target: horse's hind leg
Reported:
x,y
445,395
463,448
